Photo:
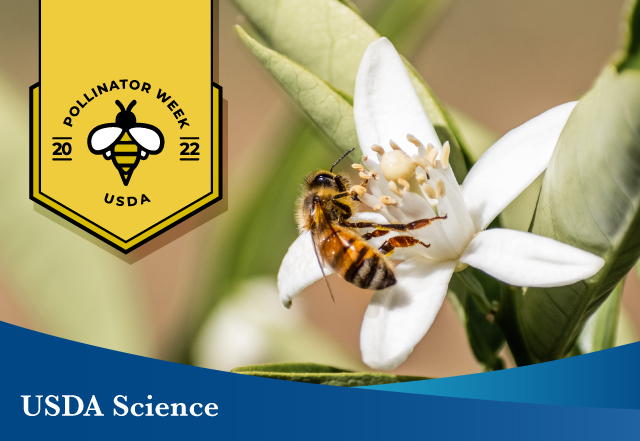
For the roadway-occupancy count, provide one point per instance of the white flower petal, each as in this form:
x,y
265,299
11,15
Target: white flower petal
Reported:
x,y
367,216
386,106
299,269
525,259
512,164
416,207
398,317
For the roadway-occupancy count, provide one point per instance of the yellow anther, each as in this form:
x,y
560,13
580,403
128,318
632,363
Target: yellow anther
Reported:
x,y
404,184
374,175
421,162
365,158
446,151
378,207
394,146
359,190
429,148
378,149
388,201
429,191
358,167
413,140
441,190
394,188
431,154
364,176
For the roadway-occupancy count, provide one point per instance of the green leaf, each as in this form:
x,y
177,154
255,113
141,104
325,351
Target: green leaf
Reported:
x,y
590,199
329,39
485,337
631,54
601,329
65,283
331,112
321,374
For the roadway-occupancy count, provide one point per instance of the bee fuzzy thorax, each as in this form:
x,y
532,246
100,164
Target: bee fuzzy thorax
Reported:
x,y
319,188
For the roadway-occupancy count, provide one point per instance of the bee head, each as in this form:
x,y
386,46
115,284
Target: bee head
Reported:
x,y
126,119
322,179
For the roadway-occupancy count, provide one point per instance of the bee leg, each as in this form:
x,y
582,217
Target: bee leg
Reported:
x,y
420,223
375,233
390,245
341,195
340,184
346,209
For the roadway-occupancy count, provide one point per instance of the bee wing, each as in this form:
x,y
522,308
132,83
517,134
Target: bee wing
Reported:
x,y
149,137
103,137
322,265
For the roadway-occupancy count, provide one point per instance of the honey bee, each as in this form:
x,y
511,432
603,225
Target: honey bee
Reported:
x,y
126,141
324,209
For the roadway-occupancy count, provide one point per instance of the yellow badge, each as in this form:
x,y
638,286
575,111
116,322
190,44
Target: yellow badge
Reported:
x,y
126,126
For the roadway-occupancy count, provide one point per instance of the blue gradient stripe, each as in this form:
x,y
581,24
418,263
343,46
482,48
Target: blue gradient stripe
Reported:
x,y
609,378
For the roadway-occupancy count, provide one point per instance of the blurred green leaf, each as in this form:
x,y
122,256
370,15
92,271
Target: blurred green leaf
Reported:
x,y
331,112
631,55
590,198
479,138
409,22
321,374
68,286
600,330
349,4
329,39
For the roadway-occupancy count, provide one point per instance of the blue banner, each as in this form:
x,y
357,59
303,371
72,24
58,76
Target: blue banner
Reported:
x,y
48,377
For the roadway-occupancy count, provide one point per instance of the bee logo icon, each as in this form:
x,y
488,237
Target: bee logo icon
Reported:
x,y
126,141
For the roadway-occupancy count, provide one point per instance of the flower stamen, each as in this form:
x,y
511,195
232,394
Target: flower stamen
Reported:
x,y
378,207
358,167
394,146
440,192
404,184
359,190
388,201
446,151
415,141
429,191
394,188
378,149
432,152
421,162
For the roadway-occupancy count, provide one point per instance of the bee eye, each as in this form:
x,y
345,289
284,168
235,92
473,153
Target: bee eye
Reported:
x,y
323,180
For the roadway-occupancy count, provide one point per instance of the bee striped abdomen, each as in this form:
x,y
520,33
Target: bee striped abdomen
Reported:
x,y
355,260
125,157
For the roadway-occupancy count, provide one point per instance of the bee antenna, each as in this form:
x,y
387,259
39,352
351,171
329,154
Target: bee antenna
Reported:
x,y
131,104
120,105
341,158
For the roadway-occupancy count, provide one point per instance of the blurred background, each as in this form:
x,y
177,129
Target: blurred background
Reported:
x,y
209,296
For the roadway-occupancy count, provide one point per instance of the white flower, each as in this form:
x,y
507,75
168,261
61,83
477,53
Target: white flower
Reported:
x,y
416,182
